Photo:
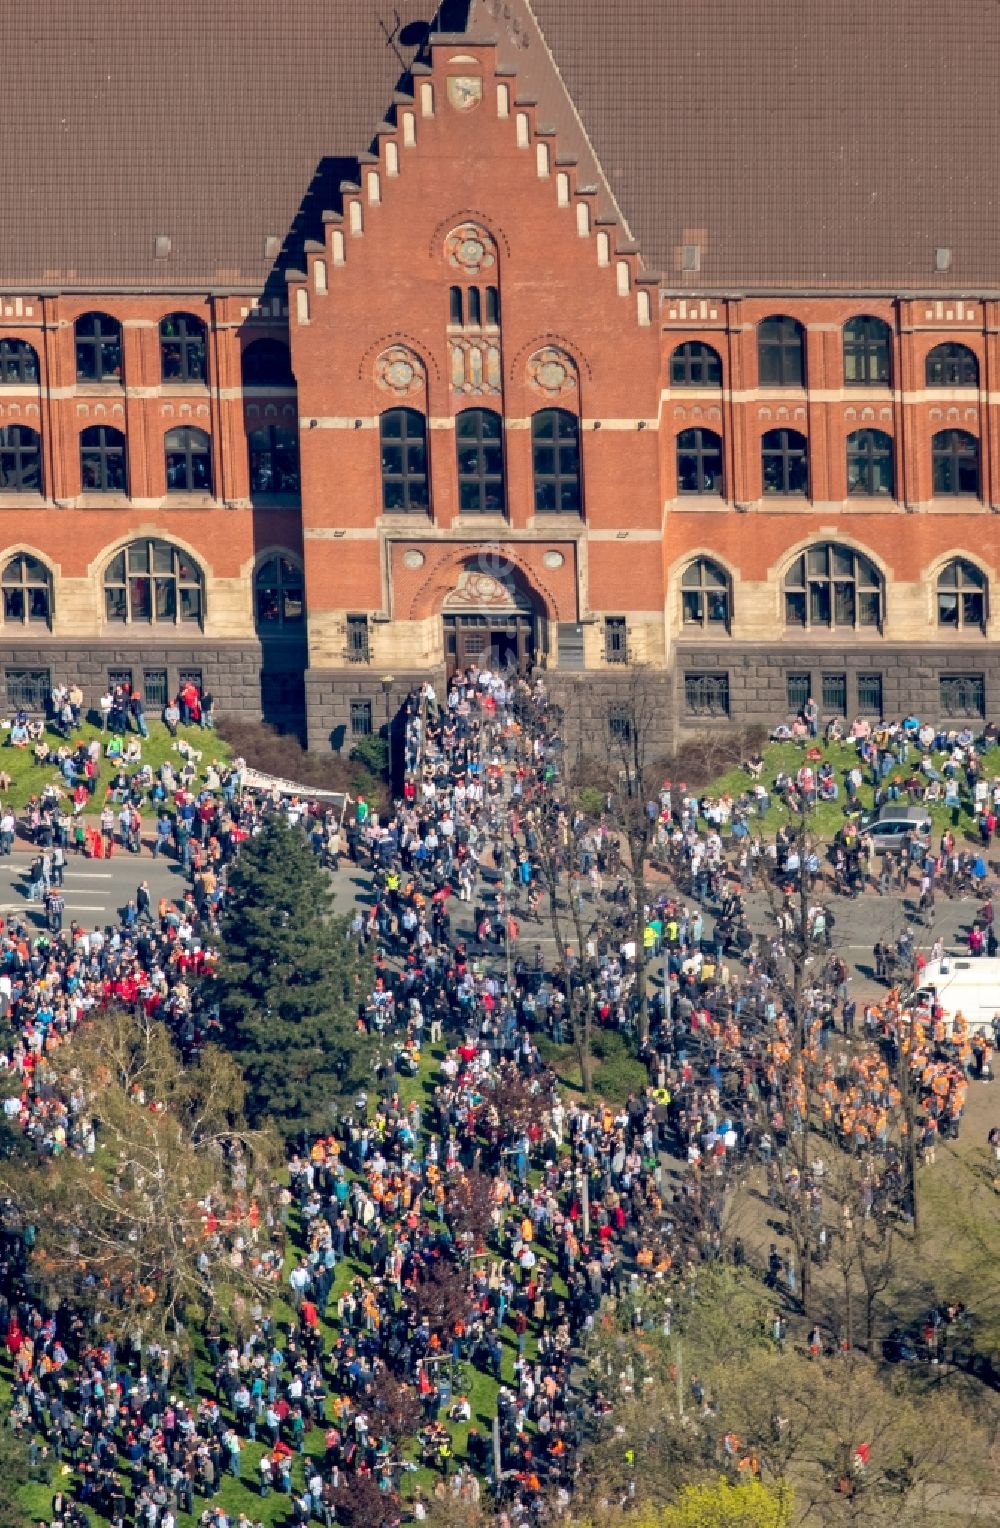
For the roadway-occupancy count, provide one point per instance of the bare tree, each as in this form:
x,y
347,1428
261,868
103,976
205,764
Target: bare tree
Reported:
x,y
470,1209
167,1219
632,731
439,1295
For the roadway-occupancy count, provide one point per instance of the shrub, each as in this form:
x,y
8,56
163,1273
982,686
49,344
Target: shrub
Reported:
x,y
282,754
373,753
591,800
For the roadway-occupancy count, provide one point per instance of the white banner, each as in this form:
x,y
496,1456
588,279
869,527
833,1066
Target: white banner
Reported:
x,y
252,779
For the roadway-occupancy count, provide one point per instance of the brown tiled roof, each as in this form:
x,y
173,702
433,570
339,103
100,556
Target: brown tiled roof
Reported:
x,y
202,120
802,144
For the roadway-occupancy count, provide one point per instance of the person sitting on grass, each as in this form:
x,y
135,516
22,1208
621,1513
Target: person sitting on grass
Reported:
x,y
19,731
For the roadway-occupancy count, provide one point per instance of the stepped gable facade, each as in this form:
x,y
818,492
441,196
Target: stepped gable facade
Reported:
x,y
554,334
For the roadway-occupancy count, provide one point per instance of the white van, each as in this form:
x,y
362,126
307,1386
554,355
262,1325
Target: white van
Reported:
x,y
963,984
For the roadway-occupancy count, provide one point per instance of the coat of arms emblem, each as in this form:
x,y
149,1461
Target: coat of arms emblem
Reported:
x,y
465,91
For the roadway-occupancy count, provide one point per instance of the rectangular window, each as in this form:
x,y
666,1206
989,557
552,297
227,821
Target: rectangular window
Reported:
x,y
834,693
615,639
358,650
120,676
191,676
154,688
361,718
28,689
963,694
619,724
798,688
706,694
870,694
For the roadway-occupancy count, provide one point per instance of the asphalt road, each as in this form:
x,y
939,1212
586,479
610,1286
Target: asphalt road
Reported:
x,y
94,890
860,921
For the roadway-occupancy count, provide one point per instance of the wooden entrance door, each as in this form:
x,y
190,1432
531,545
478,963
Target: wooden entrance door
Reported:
x,y
498,641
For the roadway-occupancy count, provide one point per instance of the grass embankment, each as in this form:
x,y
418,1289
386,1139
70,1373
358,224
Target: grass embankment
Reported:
x,y
28,778
828,816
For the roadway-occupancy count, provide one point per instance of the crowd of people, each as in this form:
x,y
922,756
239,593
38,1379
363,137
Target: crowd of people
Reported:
x,y
475,1229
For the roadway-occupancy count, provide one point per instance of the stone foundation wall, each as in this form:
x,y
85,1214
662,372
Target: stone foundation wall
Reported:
x,y
591,701
758,679
336,700
230,671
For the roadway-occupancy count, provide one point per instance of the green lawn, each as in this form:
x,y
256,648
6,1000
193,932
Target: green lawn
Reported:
x,y
828,816
28,778
243,1495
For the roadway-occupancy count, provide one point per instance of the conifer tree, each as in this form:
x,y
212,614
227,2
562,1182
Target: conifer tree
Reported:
x,y
290,979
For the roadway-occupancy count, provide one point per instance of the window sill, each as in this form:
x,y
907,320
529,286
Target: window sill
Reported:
x,y
472,517
700,501
189,501
103,501
24,501
818,634
183,389
100,389
165,631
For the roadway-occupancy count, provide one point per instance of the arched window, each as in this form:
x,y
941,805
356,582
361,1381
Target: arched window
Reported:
x,y
27,591
479,449
962,592
20,459
705,595
98,348
695,364
699,462
403,441
189,460
951,365
267,363
869,464
102,460
279,594
833,586
785,462
955,459
555,460
867,352
154,582
18,362
781,353
183,348
274,460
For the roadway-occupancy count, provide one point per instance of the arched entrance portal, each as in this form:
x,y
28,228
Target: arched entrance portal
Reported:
x,y
489,621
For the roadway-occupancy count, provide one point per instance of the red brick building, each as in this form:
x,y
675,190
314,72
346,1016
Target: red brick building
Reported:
x,y
573,335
